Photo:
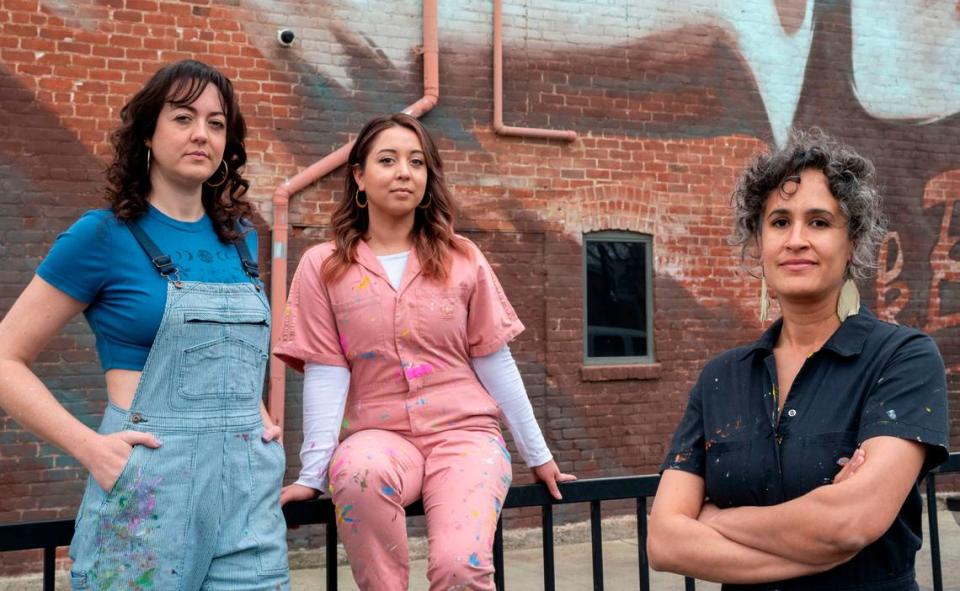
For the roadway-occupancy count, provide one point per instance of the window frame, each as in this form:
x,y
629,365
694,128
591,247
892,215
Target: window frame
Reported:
x,y
619,236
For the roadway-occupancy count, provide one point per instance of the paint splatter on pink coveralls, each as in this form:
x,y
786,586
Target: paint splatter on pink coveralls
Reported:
x,y
418,423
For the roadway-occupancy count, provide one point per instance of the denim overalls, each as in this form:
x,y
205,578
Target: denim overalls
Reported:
x,y
203,510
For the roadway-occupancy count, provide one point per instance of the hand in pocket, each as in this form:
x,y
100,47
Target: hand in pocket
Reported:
x,y
111,453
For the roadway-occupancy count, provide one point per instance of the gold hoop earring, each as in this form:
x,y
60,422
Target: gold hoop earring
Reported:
x,y
148,161
226,173
429,201
356,199
764,300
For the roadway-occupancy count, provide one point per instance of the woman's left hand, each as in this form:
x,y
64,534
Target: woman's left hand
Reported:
x,y
550,475
271,432
849,466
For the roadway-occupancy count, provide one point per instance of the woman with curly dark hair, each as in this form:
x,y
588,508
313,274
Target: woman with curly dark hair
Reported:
x,y
185,469
401,329
797,462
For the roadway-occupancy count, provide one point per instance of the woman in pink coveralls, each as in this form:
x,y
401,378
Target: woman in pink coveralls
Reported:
x,y
401,329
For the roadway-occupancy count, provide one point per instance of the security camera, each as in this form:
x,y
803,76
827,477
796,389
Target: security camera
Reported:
x,y
285,37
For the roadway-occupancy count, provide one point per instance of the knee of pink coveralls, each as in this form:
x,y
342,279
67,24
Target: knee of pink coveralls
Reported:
x,y
370,467
450,568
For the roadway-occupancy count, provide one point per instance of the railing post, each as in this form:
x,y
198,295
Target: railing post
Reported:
x,y
549,582
934,532
331,537
498,557
49,567
642,543
596,541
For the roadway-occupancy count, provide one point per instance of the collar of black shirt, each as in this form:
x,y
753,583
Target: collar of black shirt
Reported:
x,y
847,341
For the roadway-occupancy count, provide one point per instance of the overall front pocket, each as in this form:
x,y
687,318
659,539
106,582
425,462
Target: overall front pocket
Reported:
x,y
201,326
226,361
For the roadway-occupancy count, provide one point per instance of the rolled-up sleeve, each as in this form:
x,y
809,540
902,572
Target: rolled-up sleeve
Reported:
x,y
309,332
909,400
688,450
491,321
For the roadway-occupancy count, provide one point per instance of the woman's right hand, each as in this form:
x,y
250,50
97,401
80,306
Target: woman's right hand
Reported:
x,y
112,455
297,492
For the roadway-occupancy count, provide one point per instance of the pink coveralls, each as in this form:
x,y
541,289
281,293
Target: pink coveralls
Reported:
x,y
418,423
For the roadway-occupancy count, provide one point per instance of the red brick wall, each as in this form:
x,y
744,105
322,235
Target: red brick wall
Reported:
x,y
668,103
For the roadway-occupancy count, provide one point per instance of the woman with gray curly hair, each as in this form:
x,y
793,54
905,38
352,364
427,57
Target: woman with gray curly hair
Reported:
x,y
797,462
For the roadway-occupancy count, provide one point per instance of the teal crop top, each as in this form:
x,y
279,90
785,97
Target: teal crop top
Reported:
x,y
98,261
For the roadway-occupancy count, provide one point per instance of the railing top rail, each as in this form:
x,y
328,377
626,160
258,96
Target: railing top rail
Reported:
x,y
35,534
581,491
40,534
951,465
529,495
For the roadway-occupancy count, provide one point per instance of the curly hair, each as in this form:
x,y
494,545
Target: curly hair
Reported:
x,y
433,233
128,178
850,176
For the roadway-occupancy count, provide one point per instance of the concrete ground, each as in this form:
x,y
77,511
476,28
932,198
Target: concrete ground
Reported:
x,y
524,559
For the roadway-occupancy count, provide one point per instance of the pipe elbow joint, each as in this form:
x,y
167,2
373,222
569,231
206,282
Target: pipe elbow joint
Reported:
x,y
281,196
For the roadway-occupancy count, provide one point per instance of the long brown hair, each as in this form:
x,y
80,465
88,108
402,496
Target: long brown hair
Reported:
x,y
433,234
128,176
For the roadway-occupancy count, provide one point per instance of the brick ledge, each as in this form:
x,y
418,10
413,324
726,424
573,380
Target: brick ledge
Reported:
x,y
609,373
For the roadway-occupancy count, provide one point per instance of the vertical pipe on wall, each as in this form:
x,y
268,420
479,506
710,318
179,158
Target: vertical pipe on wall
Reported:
x,y
310,175
498,126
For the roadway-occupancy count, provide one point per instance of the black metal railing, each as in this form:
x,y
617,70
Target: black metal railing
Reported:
x,y
48,535
593,491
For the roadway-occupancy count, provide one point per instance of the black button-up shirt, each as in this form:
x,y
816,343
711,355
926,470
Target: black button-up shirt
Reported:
x,y
869,379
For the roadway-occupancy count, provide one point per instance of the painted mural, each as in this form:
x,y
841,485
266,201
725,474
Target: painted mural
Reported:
x,y
889,83
703,73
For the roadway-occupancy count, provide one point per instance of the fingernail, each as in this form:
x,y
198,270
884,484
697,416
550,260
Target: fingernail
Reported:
x,y
843,461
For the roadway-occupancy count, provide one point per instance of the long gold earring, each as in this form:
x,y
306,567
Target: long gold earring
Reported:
x,y
356,199
427,204
226,173
764,300
849,302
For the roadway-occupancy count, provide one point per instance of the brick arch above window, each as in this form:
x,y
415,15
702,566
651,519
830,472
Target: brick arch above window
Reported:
x,y
611,207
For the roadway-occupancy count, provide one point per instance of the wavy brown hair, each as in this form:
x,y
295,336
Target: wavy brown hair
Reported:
x,y
128,178
433,234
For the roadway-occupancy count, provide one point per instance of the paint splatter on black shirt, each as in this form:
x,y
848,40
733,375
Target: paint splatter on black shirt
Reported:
x,y
869,379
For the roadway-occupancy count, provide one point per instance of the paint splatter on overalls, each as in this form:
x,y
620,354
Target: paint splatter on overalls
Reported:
x,y
203,510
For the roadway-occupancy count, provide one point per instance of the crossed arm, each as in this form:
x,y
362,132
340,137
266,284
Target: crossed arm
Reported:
x,y
807,535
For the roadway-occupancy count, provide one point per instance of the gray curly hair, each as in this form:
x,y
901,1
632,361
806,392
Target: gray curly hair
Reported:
x,y
851,179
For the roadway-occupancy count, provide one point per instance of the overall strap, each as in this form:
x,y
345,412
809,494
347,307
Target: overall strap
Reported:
x,y
162,262
250,266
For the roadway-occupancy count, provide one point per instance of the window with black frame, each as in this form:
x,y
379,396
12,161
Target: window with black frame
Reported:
x,y
618,298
